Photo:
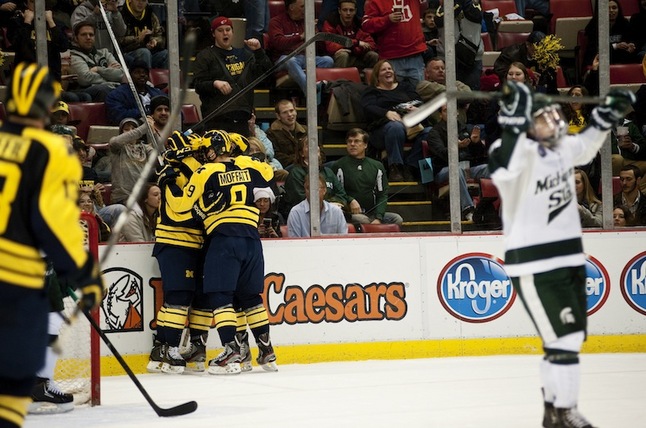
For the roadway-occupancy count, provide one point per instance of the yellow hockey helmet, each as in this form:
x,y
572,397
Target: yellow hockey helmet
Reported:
x,y
31,91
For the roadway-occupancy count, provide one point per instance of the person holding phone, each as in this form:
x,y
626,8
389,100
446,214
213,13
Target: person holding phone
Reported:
x,y
269,220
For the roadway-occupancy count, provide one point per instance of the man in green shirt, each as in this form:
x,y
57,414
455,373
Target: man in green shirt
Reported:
x,y
365,181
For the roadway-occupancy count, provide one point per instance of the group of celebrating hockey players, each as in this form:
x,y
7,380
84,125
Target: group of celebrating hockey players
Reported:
x,y
210,256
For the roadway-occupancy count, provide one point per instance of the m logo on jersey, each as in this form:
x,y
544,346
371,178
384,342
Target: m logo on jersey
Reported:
x,y
597,285
122,307
633,283
475,288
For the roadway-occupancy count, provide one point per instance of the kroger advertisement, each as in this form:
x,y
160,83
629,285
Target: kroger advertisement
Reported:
x,y
394,288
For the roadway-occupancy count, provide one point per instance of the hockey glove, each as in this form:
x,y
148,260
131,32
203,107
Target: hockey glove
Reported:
x,y
515,107
167,175
612,111
90,283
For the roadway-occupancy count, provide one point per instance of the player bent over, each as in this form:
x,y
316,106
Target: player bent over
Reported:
x,y
221,194
532,165
179,239
39,179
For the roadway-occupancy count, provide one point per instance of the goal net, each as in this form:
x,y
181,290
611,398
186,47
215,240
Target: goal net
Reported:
x,y
78,368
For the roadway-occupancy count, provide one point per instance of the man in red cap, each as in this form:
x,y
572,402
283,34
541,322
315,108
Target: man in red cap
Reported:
x,y
222,70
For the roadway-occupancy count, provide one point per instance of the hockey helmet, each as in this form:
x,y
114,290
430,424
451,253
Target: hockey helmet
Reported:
x,y
219,141
177,141
31,91
549,125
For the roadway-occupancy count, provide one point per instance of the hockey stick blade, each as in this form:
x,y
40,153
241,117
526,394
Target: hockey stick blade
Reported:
x,y
326,37
424,111
182,409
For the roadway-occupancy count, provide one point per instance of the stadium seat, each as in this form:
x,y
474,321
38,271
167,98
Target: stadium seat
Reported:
x,y
507,39
332,74
87,114
190,115
380,228
561,82
276,7
239,30
505,7
567,29
487,43
159,77
283,230
516,26
568,8
629,7
367,72
351,228
626,74
106,193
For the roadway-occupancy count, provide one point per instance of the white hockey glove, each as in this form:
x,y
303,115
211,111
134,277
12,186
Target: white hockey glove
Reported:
x,y
615,106
515,107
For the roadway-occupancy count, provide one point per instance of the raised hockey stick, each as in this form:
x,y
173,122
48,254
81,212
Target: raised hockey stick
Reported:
x,y
182,409
189,44
425,110
328,37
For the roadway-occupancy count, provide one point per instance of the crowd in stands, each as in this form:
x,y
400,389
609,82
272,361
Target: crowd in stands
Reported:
x,y
398,47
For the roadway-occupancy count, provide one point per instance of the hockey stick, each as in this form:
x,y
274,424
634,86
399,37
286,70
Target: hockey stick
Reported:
x,y
182,409
328,37
189,43
126,72
425,110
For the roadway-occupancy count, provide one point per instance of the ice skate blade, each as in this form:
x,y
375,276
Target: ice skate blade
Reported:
x,y
154,367
173,370
45,408
228,369
270,366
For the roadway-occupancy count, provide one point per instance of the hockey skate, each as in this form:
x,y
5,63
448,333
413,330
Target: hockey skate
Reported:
x,y
48,398
156,358
571,418
195,355
173,361
549,416
266,357
228,362
242,340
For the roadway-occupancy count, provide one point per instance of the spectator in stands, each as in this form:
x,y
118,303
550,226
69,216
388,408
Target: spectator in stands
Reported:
x,y
267,146
89,11
329,7
631,178
120,103
142,220
622,217
286,33
590,208
637,26
269,221
628,148
331,217
622,48
97,69
364,180
89,199
520,52
434,83
398,34
431,34
144,39
222,71
258,150
363,53
7,10
438,146
294,192
285,132
518,73
468,22
22,35
129,153
576,113
381,103
60,114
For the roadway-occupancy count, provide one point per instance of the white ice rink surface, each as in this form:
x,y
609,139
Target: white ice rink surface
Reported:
x,y
482,392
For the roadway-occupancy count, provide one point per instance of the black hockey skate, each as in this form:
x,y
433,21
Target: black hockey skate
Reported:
x,y
571,418
195,355
549,416
173,361
48,398
228,362
266,356
156,358
242,339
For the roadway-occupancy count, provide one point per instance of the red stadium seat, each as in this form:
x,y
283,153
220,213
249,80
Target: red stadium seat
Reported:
x,y
629,7
380,228
626,73
106,193
276,7
487,43
190,115
568,8
504,39
87,114
505,7
351,228
332,74
561,82
159,77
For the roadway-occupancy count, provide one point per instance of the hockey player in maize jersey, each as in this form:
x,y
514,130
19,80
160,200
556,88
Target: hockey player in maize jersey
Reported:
x,y
532,165
220,193
179,239
39,179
